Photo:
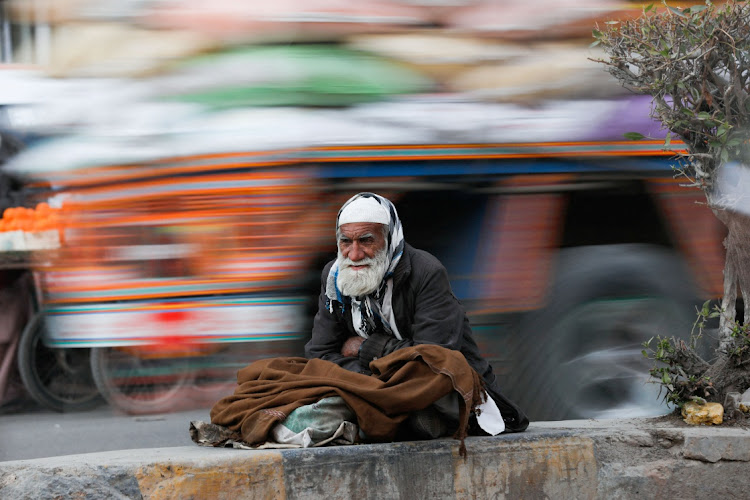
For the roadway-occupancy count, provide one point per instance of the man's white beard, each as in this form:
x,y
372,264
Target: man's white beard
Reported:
x,y
356,283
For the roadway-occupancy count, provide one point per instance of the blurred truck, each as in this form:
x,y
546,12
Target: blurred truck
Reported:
x,y
173,273
193,156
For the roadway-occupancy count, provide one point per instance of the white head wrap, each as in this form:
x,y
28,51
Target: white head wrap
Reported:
x,y
363,210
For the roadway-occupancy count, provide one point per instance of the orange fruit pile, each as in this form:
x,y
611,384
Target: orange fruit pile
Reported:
x,y
41,218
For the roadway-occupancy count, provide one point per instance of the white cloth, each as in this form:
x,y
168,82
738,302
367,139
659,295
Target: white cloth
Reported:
x,y
364,210
489,417
346,433
357,318
386,309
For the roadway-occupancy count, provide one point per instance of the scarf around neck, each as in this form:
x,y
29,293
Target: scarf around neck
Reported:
x,y
367,310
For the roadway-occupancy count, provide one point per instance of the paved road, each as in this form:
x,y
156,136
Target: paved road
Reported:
x,y
41,433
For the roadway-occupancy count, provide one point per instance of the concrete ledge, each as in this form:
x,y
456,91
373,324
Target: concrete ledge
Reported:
x,y
578,459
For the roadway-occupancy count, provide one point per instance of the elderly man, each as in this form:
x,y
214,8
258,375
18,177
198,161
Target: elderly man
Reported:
x,y
381,295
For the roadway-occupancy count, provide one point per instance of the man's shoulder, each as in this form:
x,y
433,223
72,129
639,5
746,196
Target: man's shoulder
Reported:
x,y
421,259
327,269
417,268
328,266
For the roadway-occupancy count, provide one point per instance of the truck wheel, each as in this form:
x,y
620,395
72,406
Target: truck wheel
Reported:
x,y
581,356
57,378
136,381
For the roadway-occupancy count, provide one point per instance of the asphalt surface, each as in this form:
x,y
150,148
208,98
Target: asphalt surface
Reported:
x,y
41,433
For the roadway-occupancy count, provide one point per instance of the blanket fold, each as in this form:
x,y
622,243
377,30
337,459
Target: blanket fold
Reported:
x,y
405,381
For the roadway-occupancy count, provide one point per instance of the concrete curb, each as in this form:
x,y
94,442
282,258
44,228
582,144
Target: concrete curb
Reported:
x,y
577,459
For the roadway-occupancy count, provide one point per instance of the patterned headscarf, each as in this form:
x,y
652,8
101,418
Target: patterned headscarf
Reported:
x,y
362,208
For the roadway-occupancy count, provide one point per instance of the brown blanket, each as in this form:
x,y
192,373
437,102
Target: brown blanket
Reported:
x,y
407,380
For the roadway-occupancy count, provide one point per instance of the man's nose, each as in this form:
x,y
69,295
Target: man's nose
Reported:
x,y
356,252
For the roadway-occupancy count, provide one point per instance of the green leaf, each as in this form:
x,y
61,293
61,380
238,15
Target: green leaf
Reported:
x,y
724,155
596,33
675,11
612,22
594,43
696,8
687,111
668,139
704,115
634,136
647,9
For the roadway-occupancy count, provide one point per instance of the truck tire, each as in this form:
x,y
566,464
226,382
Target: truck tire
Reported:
x,y
581,356
136,382
57,378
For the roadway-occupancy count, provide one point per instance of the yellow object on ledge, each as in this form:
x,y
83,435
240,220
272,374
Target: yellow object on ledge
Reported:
x,y
703,414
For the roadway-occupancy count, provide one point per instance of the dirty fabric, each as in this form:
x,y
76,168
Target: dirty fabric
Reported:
x,y
328,422
405,381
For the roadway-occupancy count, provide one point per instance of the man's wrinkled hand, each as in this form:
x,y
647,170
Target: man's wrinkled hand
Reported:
x,y
351,347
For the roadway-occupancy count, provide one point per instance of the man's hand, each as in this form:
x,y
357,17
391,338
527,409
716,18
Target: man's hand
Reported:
x,y
351,346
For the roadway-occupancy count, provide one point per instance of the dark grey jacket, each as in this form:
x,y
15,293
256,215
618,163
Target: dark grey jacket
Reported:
x,y
426,312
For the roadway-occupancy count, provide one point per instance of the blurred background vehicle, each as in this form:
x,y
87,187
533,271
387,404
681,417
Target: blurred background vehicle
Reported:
x,y
189,159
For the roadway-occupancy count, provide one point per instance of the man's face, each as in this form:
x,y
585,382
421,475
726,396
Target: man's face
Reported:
x,y
361,257
360,240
